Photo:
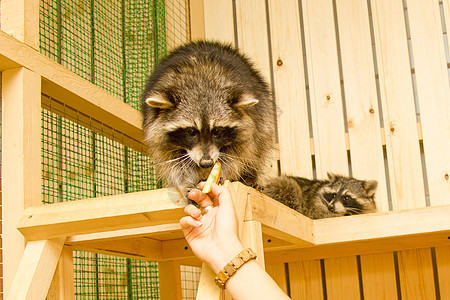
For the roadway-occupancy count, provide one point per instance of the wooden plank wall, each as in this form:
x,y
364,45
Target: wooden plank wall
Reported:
x,y
362,88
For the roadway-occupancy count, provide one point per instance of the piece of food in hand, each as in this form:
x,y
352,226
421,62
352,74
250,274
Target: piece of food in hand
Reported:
x,y
213,177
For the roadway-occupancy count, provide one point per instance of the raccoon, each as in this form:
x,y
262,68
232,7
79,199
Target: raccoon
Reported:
x,y
206,102
332,197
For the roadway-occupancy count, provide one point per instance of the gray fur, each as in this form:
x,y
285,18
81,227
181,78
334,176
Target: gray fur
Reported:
x,y
203,86
312,198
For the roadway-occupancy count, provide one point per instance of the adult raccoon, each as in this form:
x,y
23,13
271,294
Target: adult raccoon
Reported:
x,y
206,102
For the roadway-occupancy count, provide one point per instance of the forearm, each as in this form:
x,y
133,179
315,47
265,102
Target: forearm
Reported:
x,y
252,282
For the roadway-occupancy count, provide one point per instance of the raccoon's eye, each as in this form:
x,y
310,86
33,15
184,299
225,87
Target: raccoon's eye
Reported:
x,y
347,198
333,196
191,131
215,132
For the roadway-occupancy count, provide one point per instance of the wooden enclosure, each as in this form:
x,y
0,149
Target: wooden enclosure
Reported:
x,y
362,89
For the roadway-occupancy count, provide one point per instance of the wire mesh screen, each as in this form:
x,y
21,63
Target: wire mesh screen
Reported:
x,y
115,45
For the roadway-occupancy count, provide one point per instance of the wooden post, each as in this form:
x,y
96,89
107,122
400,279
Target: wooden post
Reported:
x,y
169,280
21,160
62,286
20,18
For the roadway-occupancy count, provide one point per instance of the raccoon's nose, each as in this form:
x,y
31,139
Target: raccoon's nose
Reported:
x,y
206,163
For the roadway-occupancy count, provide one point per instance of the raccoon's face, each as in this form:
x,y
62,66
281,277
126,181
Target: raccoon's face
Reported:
x,y
193,128
205,102
348,196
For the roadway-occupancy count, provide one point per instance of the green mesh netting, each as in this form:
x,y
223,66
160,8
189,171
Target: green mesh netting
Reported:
x,y
113,44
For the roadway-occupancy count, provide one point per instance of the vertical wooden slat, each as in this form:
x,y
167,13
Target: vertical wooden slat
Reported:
x,y
324,86
253,41
290,89
363,121
169,280
402,146
416,274
20,18
197,19
327,121
446,8
278,273
342,280
378,275
443,269
433,90
62,287
219,23
252,32
21,160
251,237
306,280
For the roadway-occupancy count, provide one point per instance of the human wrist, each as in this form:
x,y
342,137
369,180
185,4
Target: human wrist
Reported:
x,y
224,254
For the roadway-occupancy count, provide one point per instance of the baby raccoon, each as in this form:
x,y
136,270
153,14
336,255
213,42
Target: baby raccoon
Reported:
x,y
316,199
206,102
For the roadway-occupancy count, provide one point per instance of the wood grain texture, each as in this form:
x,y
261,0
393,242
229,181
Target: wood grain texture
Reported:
x,y
219,23
433,92
36,269
378,276
443,270
20,19
278,273
362,109
21,160
342,278
416,274
63,285
290,88
324,86
155,207
402,147
306,280
170,280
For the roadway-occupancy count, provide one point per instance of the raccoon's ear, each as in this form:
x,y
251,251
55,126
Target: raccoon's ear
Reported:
x,y
331,176
246,100
158,101
370,186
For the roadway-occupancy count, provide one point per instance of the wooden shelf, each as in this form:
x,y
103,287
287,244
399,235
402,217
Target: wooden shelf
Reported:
x,y
145,225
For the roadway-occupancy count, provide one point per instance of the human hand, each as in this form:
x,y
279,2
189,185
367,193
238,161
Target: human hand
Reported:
x,y
213,236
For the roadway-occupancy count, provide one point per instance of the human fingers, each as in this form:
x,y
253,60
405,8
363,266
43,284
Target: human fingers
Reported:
x,y
192,211
222,196
200,198
188,223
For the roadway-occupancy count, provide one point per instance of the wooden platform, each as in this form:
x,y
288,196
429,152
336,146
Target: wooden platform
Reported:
x,y
145,226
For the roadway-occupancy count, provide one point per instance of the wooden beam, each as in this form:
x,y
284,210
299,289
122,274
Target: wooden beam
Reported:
x,y
171,230
277,220
117,212
76,92
372,233
21,160
36,269
383,225
143,248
